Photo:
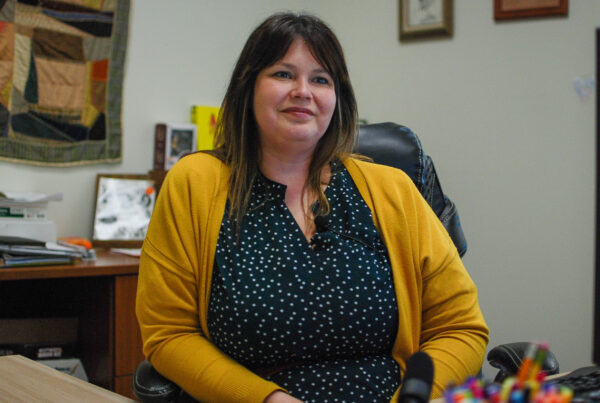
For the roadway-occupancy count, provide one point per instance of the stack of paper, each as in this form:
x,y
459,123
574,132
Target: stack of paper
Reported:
x,y
17,251
26,205
25,215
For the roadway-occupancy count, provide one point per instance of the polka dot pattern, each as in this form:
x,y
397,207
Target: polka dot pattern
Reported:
x,y
324,316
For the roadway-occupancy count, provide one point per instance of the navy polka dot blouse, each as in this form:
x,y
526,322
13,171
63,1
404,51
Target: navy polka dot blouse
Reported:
x,y
320,318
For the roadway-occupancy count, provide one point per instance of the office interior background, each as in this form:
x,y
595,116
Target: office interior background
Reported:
x,y
495,106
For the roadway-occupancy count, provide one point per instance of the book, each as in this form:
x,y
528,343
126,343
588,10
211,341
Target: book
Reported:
x,y
171,142
40,230
26,261
37,213
31,206
48,350
50,249
160,133
21,252
205,118
17,240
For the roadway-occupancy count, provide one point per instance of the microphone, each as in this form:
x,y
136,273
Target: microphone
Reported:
x,y
321,223
418,377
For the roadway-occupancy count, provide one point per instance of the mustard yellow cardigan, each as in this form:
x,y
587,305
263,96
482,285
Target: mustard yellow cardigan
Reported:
x,y
438,310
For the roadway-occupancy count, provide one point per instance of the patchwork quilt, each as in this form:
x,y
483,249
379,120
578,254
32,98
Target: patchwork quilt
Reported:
x,y
61,76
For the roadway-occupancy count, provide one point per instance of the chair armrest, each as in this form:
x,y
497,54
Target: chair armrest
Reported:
x,y
151,387
508,357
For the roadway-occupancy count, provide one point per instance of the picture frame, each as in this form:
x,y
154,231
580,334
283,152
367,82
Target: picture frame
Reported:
x,y
172,141
515,9
123,206
420,19
181,139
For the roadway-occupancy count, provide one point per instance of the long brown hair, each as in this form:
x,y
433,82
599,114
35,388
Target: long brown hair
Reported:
x,y
236,139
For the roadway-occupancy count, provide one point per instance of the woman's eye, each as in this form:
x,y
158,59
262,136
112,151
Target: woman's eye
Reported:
x,y
321,80
282,74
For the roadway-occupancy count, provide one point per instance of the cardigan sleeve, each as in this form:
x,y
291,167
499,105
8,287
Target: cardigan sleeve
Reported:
x,y
438,305
451,327
452,331
169,300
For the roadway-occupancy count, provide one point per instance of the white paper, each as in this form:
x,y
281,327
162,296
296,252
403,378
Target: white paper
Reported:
x,y
127,251
30,197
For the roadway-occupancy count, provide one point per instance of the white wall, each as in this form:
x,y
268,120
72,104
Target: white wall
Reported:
x,y
494,106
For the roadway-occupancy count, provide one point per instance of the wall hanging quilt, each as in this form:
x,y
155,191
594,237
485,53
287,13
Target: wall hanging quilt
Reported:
x,y
61,76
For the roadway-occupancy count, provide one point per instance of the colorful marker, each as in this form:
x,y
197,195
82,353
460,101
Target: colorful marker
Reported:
x,y
527,363
539,361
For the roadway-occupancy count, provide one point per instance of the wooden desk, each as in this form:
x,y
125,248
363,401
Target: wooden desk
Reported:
x,y
101,294
24,380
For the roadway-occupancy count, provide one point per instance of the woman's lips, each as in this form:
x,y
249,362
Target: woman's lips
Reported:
x,y
299,112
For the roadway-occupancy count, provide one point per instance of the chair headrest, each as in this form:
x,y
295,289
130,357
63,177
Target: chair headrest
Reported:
x,y
397,146
393,145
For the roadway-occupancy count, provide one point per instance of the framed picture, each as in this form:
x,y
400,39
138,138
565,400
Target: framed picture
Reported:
x,y
122,211
171,142
181,140
425,18
511,9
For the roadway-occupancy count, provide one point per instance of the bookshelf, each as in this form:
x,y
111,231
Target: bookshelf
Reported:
x,y
101,294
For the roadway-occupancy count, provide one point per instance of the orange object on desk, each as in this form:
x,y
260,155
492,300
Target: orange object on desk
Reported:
x,y
77,241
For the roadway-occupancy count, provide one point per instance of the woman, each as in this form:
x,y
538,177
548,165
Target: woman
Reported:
x,y
242,298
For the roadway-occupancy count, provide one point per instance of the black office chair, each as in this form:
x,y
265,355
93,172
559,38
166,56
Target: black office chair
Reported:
x,y
394,145
397,146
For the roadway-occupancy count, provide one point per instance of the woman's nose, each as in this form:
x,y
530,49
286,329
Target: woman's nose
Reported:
x,y
301,88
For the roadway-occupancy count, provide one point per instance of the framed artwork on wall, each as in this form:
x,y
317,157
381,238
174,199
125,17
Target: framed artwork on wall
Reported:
x,y
61,81
123,206
425,18
512,9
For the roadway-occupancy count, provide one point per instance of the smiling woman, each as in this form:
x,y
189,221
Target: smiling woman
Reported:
x,y
296,96
237,138
294,100
241,298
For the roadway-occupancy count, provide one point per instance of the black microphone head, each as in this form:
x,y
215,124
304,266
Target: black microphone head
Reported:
x,y
420,366
321,222
418,377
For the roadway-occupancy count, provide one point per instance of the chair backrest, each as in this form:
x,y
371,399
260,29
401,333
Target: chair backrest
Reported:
x,y
397,146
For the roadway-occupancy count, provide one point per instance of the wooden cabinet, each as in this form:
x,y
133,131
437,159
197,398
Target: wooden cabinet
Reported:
x,y
127,334
101,294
